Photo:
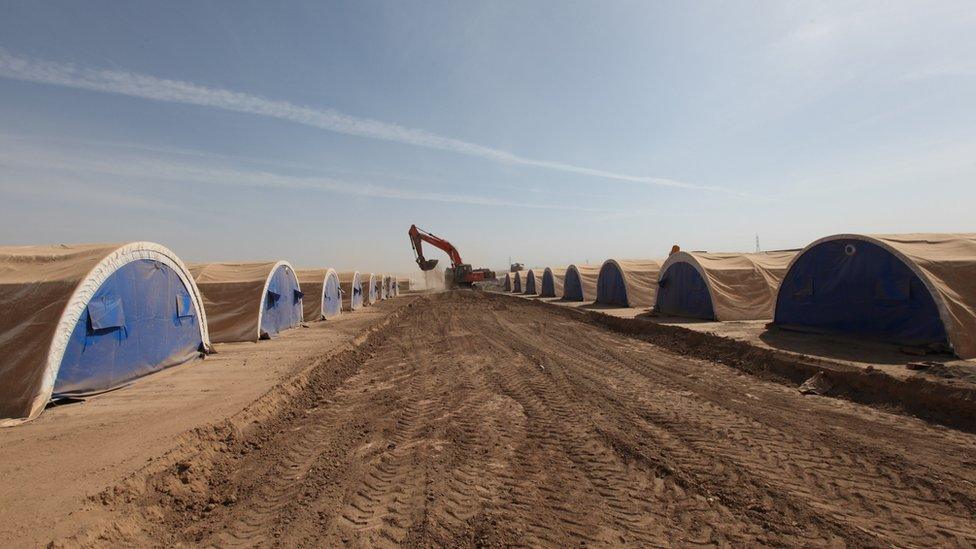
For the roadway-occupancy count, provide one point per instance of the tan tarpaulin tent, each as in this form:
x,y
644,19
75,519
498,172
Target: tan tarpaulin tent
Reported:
x,y
402,285
368,281
946,266
628,282
552,282
352,290
533,282
234,296
45,291
323,297
580,283
740,286
378,282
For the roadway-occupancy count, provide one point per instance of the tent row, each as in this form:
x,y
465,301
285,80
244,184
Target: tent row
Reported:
x,y
84,319
912,289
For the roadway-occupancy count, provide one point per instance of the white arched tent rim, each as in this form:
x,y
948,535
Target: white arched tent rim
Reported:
x,y
64,279
234,296
945,263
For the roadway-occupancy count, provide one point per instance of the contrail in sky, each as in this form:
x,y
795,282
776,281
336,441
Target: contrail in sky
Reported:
x,y
176,91
19,157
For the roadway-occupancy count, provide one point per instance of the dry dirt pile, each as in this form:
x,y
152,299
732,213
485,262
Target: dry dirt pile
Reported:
x,y
481,419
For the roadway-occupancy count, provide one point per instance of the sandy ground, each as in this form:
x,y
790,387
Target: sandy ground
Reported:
x,y
51,465
851,351
479,419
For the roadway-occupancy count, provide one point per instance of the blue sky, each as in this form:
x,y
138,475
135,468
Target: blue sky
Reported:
x,y
549,132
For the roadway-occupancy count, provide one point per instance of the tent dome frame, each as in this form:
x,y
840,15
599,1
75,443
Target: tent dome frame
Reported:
x,y
685,257
330,273
354,278
535,287
592,271
86,289
629,284
936,296
267,282
557,280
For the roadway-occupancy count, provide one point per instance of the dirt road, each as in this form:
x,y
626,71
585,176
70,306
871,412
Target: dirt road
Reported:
x,y
485,419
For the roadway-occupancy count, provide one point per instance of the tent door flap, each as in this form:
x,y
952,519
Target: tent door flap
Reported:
x,y
184,305
273,298
106,313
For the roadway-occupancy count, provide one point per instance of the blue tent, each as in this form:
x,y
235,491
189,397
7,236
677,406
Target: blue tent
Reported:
x,y
331,295
141,319
351,289
552,282
507,284
368,282
249,301
283,302
580,283
533,282
628,282
89,318
323,298
683,292
722,286
863,286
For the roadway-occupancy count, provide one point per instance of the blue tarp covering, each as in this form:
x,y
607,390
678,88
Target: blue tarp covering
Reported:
x,y
572,286
332,305
369,289
859,288
682,292
139,321
357,296
548,285
610,287
282,304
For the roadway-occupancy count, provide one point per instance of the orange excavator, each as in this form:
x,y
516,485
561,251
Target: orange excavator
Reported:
x,y
460,274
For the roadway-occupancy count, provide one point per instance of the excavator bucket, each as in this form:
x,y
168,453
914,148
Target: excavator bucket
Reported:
x,y
427,265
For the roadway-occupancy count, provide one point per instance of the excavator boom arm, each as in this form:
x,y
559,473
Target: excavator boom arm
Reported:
x,y
419,236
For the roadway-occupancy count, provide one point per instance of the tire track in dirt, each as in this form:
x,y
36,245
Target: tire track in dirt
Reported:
x,y
302,458
486,420
861,486
692,515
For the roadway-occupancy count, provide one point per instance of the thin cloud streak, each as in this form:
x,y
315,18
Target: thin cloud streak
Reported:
x,y
175,91
181,172
251,160
79,192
